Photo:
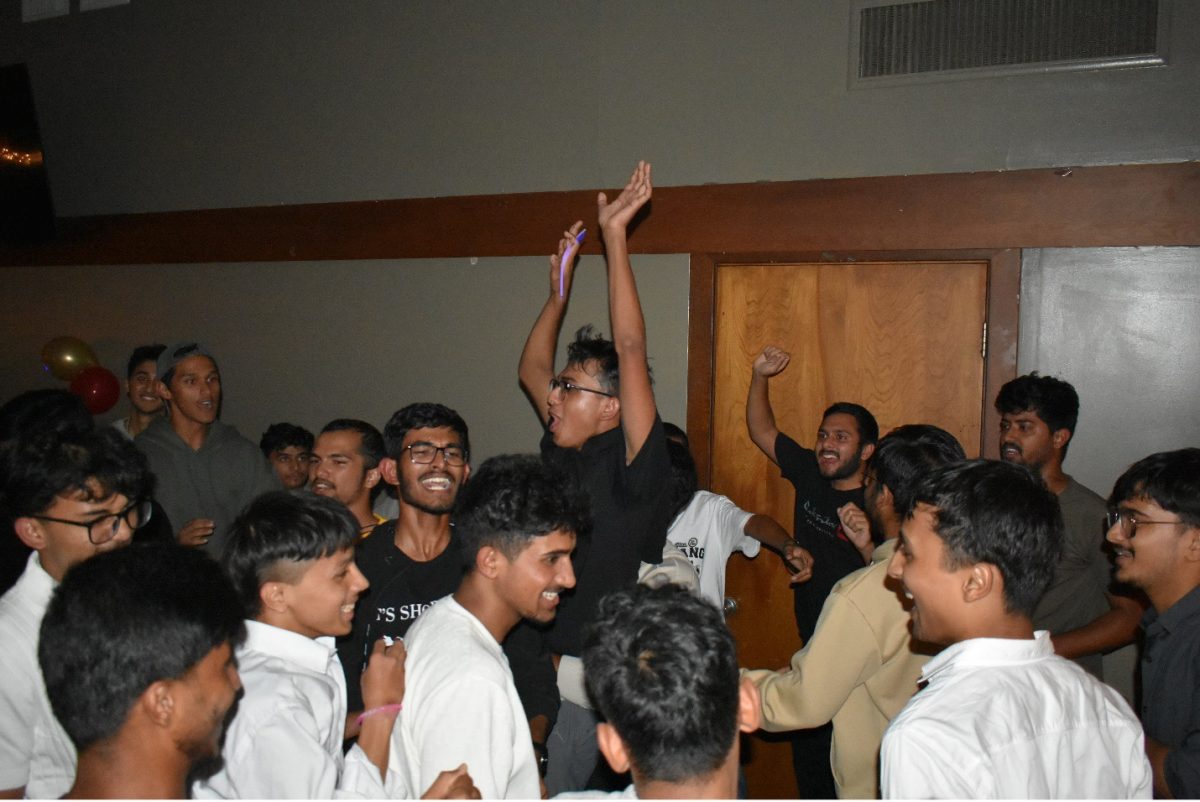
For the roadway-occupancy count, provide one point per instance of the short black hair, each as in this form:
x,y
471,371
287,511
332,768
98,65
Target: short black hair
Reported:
x,y
683,484
47,411
512,499
868,428
661,667
126,619
276,531
36,469
143,353
422,415
999,513
1171,479
1053,400
279,436
371,448
908,452
591,346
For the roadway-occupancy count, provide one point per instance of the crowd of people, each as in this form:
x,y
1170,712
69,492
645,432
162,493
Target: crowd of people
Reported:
x,y
360,613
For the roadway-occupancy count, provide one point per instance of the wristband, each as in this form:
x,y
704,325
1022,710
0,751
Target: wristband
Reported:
x,y
381,709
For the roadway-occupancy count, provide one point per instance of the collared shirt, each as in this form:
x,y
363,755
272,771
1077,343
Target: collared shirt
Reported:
x,y
460,706
34,750
1007,718
286,739
859,670
1171,690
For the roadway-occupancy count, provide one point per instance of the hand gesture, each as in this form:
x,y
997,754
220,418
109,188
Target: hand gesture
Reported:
x,y
801,560
616,215
857,527
196,532
455,784
771,361
383,679
562,271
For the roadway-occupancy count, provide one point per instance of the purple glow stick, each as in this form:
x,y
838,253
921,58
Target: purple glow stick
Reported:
x,y
566,257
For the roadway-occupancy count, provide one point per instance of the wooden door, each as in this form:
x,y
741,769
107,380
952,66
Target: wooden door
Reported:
x,y
903,339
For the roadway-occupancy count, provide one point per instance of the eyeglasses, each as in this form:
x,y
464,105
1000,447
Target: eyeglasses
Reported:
x,y
567,387
105,528
1129,524
425,453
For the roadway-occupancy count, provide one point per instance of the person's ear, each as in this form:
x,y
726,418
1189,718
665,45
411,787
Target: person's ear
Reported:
x,y
372,478
1191,545
273,596
29,532
611,408
866,451
389,470
489,561
749,706
981,580
164,392
157,702
1060,438
612,747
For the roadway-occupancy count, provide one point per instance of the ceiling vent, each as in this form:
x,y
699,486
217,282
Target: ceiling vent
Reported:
x,y
941,39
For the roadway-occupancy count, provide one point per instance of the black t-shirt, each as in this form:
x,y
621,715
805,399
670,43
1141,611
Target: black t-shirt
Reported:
x,y
817,528
401,590
630,514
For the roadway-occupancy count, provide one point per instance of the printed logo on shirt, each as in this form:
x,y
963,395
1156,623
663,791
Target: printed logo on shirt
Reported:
x,y
693,551
819,522
405,612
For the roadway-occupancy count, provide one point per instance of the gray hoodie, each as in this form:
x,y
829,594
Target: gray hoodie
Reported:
x,y
216,481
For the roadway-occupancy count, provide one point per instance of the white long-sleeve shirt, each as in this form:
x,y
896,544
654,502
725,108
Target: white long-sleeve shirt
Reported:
x,y
1001,718
285,742
460,706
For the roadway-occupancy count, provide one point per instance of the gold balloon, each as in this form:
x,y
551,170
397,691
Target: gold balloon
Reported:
x,y
66,356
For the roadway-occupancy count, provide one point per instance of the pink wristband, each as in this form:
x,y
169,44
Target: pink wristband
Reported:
x,y
381,709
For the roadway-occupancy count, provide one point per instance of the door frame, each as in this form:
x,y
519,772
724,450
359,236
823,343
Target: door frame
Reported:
x,y
1000,359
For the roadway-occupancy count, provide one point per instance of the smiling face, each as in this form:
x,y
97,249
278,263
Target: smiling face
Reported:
x,y
429,488
204,696
195,390
338,469
531,582
579,414
141,388
60,545
320,601
838,448
1155,557
935,592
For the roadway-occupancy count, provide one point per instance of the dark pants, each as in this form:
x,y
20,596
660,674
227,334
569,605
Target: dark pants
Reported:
x,y
810,761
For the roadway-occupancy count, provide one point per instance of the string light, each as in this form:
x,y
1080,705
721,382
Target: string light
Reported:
x,y
23,158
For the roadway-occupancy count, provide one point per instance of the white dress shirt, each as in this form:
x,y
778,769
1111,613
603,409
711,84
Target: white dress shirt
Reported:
x,y
34,750
460,706
285,742
1007,718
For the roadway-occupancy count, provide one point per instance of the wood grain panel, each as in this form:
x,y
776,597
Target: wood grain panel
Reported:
x,y
901,338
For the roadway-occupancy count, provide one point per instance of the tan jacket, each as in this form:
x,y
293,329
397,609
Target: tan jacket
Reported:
x,y
858,670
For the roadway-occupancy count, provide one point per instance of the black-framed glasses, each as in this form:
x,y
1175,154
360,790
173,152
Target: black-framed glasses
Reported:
x,y
567,387
105,528
425,453
1129,524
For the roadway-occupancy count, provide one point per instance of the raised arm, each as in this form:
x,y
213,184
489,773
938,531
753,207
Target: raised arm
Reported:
x,y
760,419
536,368
625,310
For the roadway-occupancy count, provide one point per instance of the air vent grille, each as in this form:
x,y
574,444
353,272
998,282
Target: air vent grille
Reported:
x,y
940,36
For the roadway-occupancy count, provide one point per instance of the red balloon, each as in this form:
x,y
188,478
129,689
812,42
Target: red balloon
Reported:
x,y
98,388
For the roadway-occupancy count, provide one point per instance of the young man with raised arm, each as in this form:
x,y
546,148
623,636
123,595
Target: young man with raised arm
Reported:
x,y
602,426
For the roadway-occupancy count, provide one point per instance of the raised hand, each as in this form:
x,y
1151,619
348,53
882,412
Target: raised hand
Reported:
x,y
616,215
771,361
857,528
562,271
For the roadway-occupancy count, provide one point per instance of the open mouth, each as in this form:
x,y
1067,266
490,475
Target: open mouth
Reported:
x,y
437,482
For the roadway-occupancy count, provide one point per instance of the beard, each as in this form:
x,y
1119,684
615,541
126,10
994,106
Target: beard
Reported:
x,y
409,495
847,470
